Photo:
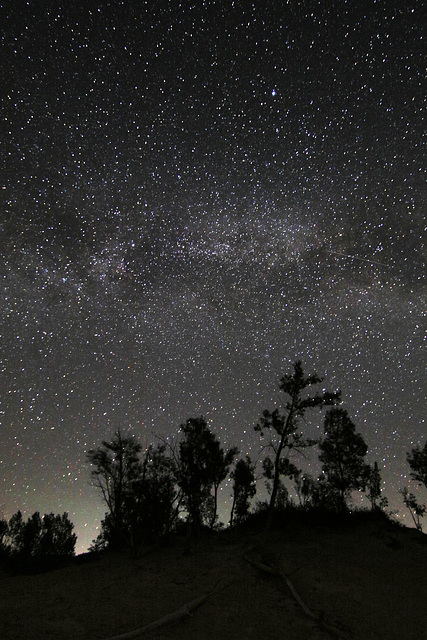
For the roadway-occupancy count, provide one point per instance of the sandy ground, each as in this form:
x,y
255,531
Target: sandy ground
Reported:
x,y
360,582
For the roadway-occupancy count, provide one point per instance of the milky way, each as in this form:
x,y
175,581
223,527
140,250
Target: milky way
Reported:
x,y
193,197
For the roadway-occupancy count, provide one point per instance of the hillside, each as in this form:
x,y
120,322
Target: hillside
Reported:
x,y
359,581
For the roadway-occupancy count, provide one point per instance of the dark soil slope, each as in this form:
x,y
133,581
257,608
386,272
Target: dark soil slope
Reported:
x,y
358,581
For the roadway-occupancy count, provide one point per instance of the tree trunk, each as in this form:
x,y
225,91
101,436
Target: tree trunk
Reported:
x,y
285,433
232,510
215,506
275,488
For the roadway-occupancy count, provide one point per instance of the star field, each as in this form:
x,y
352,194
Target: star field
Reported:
x,y
194,195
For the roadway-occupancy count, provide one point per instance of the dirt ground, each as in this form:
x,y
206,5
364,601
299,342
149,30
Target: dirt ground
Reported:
x,y
358,582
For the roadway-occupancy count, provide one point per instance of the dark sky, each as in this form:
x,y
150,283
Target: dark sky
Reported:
x,y
194,195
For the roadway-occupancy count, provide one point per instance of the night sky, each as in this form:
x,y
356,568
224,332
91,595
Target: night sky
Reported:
x,y
195,195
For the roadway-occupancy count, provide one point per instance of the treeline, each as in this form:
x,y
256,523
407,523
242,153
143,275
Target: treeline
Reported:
x,y
37,543
174,484
150,494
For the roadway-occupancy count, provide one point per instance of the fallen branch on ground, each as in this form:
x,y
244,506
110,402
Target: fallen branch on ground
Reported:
x,y
274,572
180,613
331,629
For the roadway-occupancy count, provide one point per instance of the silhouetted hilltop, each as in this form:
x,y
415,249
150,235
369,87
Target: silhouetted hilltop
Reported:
x,y
313,576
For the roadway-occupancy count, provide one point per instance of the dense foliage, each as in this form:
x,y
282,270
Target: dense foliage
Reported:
x,y
244,489
139,492
342,454
31,543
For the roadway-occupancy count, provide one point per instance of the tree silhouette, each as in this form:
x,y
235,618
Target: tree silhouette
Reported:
x,y
244,489
3,533
374,488
416,510
220,462
201,466
286,470
57,537
306,488
417,460
116,471
342,452
283,427
15,534
159,500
